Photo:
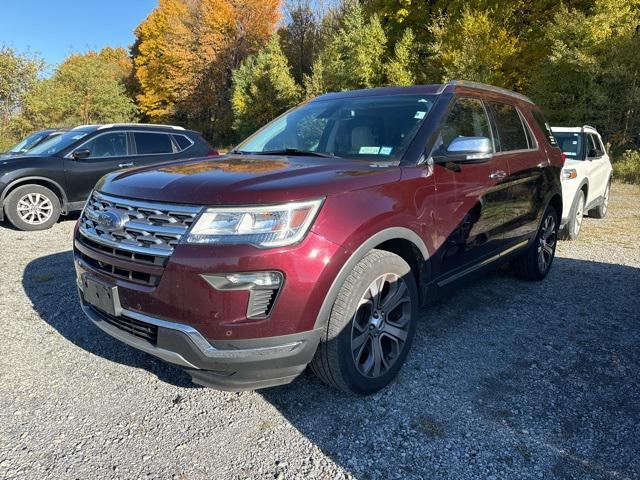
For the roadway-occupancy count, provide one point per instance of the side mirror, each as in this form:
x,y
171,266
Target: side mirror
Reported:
x,y
81,154
467,149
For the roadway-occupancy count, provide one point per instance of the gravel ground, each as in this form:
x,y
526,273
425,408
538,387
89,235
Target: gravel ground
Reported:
x,y
506,379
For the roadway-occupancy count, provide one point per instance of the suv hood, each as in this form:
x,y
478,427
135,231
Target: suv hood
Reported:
x,y
246,179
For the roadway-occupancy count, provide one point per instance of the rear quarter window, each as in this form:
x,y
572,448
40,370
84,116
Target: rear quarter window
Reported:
x,y
182,141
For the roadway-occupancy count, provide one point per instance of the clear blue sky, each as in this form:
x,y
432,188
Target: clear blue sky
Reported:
x,y
55,28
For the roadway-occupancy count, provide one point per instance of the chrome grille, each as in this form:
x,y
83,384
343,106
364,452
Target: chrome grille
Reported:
x,y
145,228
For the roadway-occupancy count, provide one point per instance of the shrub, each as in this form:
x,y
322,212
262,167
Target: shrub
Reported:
x,y
627,168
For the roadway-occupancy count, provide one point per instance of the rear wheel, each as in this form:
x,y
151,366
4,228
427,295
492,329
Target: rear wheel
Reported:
x,y
32,207
601,210
535,262
371,326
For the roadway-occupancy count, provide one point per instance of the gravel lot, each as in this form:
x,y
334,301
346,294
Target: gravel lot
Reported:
x,y
506,379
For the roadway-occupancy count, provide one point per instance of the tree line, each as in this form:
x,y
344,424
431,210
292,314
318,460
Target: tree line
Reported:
x,y
225,67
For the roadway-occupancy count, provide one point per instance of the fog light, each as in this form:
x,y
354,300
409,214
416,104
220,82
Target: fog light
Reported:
x,y
256,279
245,281
263,288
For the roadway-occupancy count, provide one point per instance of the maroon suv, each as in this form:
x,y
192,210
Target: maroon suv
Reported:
x,y
316,241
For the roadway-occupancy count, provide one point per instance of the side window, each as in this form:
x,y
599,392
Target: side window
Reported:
x,y
148,143
511,132
182,141
595,149
107,145
467,119
544,126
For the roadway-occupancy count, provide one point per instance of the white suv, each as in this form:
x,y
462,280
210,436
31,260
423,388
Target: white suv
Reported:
x,y
586,177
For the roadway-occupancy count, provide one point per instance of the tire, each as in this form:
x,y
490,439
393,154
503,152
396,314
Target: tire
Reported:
x,y
528,265
576,214
348,357
601,210
41,205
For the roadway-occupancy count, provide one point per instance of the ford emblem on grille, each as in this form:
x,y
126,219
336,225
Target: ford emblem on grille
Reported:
x,y
109,220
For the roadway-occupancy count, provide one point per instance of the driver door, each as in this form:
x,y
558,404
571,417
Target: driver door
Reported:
x,y
472,195
108,152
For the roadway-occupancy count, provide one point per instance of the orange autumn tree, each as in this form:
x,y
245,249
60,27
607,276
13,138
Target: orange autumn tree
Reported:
x,y
186,52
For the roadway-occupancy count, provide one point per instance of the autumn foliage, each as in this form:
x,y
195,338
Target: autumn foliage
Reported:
x,y
186,52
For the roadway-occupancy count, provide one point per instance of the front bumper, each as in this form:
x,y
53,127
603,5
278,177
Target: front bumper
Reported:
x,y
206,331
232,365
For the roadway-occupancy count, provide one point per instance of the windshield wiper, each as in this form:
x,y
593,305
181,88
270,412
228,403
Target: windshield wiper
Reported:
x,y
293,151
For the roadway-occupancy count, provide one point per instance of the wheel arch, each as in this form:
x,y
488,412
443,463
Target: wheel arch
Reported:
x,y
52,185
399,240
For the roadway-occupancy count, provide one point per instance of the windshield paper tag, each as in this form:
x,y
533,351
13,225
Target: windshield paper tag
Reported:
x,y
385,150
419,115
369,150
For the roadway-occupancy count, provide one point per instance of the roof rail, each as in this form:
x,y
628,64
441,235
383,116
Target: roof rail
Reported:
x,y
84,126
488,88
109,125
589,126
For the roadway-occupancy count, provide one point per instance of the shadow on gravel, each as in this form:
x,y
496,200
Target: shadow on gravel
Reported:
x,y
51,286
506,379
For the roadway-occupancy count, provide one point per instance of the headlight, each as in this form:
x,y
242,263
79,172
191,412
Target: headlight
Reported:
x,y
264,227
569,173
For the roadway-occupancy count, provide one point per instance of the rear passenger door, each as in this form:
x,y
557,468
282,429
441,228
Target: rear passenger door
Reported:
x,y
471,195
526,161
153,147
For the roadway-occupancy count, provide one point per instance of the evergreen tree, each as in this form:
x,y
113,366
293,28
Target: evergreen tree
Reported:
x,y
263,88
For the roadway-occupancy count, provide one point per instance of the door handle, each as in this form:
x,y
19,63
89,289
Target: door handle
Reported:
x,y
546,163
125,165
498,175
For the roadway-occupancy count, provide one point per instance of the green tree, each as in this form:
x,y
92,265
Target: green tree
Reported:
x,y
18,74
263,88
354,57
301,37
591,73
475,47
400,67
84,89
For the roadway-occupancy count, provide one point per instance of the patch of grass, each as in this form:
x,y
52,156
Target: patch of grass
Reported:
x,y
266,425
627,168
427,426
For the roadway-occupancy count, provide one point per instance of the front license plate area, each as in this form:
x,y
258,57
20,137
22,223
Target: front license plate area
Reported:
x,y
101,295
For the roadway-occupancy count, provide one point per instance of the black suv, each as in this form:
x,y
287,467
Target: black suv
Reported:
x,y
57,176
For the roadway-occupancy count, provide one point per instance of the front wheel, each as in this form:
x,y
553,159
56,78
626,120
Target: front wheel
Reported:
x,y
371,326
576,214
535,262
32,207
601,210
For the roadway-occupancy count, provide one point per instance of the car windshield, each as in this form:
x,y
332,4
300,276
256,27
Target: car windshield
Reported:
x,y
57,144
571,144
371,128
26,144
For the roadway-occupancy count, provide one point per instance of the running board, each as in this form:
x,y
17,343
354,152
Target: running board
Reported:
x,y
483,263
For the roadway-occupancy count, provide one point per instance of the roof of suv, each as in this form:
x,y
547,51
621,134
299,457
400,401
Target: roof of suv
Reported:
x,y
433,89
575,129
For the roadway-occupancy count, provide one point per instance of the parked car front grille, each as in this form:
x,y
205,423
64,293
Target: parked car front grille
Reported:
x,y
137,328
131,239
